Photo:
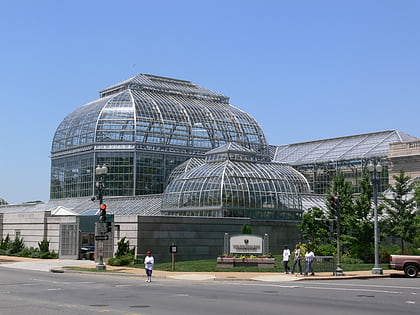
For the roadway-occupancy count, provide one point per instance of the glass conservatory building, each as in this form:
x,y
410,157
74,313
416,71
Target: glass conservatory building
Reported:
x,y
234,181
320,161
142,129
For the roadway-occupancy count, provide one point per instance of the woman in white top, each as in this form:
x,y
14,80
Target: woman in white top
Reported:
x,y
309,259
286,257
148,265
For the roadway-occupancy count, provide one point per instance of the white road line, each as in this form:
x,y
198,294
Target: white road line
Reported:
x,y
319,288
367,285
348,289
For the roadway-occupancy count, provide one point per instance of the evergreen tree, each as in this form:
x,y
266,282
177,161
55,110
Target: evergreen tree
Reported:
x,y
343,190
401,209
362,224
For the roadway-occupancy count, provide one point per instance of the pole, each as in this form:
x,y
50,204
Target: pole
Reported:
x,y
173,249
338,270
375,181
99,226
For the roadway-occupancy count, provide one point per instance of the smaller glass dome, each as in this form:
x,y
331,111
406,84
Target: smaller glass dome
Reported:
x,y
236,182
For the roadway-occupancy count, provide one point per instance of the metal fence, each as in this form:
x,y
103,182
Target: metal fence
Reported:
x,y
324,264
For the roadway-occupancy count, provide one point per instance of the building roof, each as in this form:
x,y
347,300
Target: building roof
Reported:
x,y
361,146
153,82
312,200
163,113
148,205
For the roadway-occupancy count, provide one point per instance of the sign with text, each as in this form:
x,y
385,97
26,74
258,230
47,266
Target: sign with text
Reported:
x,y
246,244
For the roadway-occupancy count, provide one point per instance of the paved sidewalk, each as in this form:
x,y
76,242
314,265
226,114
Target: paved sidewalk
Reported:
x,y
57,265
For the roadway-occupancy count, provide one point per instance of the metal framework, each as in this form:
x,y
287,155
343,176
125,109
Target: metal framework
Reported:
x,y
321,160
236,182
142,129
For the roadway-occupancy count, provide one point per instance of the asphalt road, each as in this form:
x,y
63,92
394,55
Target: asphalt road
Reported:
x,y
43,293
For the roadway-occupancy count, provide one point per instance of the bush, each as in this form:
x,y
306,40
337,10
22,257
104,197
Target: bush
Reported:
x,y
29,252
44,246
246,229
16,246
5,243
48,255
350,260
121,260
124,248
124,255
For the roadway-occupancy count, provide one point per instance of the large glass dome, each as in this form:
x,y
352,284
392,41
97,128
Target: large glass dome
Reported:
x,y
142,129
235,182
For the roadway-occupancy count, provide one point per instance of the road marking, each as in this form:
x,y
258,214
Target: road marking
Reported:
x,y
368,285
349,289
319,288
123,285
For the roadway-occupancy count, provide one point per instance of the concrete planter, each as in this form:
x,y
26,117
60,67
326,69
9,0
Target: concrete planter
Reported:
x,y
229,262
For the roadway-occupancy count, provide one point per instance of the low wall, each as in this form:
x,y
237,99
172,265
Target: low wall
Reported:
x,y
195,237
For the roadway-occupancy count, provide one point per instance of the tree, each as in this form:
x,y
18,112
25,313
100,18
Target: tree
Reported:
x,y
401,209
344,214
417,217
361,222
312,226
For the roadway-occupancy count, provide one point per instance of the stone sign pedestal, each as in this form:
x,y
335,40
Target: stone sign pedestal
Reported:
x,y
260,262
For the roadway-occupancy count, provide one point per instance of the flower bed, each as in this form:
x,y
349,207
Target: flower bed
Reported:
x,y
261,262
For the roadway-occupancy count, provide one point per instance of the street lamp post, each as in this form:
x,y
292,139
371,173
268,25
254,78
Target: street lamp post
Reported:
x,y
374,168
100,172
337,208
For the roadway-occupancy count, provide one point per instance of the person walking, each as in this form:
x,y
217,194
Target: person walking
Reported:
x,y
286,257
296,260
149,261
309,259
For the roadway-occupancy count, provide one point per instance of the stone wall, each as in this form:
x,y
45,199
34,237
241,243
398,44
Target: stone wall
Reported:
x,y
33,227
195,237
404,156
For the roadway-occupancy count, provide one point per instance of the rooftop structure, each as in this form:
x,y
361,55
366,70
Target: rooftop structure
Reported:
x,y
142,128
236,182
321,160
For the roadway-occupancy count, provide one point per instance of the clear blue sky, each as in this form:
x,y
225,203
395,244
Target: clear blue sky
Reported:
x,y
306,70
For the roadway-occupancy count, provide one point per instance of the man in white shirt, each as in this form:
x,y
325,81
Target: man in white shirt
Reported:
x,y
148,265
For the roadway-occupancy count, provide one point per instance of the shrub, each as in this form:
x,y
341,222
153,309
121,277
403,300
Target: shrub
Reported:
x,y
5,242
16,246
246,229
48,255
29,252
124,255
121,260
124,248
44,246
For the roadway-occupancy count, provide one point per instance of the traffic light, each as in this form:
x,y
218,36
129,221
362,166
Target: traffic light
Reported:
x,y
330,225
102,214
335,205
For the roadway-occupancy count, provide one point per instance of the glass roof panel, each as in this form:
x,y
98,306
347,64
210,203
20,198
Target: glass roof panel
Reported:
x,y
344,148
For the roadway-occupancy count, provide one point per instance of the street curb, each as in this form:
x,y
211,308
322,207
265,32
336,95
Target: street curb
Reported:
x,y
112,273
